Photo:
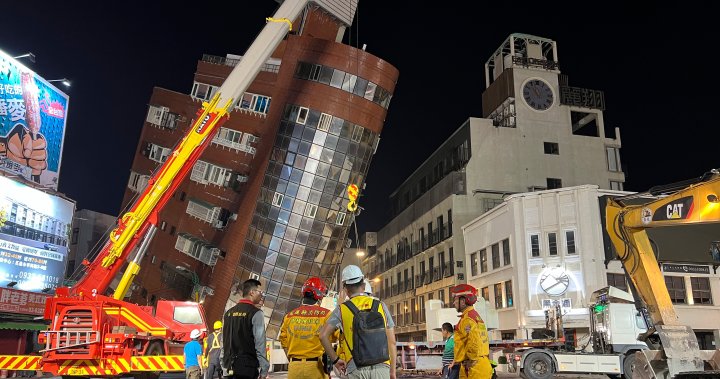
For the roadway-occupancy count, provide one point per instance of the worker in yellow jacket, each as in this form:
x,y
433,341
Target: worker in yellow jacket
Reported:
x,y
299,333
472,348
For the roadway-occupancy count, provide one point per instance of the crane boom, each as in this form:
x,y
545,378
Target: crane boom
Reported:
x,y
133,225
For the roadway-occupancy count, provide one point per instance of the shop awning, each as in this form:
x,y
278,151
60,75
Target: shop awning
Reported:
x,y
23,325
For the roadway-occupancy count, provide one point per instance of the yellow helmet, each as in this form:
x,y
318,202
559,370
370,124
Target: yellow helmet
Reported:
x,y
217,325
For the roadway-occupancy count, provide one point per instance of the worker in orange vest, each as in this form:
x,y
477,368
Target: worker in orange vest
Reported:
x,y
299,333
472,348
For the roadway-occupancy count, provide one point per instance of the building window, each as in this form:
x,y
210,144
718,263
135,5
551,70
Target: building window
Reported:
x,y
483,261
302,115
325,121
277,199
552,244
498,296
506,251
254,102
495,255
701,290
676,288
570,241
74,238
311,210
441,295
158,153
552,148
203,91
172,230
617,281
473,264
486,293
509,293
534,245
615,185
163,224
357,133
613,158
340,220
553,183
153,259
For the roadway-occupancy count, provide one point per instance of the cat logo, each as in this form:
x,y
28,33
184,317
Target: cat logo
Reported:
x,y
679,209
674,211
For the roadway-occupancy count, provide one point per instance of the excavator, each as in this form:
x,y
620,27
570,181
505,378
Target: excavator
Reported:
x,y
693,201
95,333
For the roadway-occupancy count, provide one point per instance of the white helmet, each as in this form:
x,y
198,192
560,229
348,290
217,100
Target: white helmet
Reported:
x,y
352,275
195,334
368,287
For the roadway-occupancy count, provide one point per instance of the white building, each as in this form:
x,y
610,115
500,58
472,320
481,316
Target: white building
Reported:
x,y
537,133
541,247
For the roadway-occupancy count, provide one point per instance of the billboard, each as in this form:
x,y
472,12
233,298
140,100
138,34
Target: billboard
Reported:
x,y
32,124
34,228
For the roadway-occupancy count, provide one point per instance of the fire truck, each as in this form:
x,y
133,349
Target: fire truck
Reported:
x,y
93,331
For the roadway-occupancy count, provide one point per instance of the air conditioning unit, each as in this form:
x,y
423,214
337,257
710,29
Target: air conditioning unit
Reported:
x,y
218,224
233,217
254,276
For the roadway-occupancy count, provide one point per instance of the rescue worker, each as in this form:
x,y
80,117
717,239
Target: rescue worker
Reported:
x,y
193,355
342,345
212,347
342,318
243,354
471,340
299,333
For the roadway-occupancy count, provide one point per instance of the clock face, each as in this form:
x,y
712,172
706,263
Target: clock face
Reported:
x,y
554,281
538,94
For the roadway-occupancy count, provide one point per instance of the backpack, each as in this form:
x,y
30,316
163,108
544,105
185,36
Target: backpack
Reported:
x,y
369,339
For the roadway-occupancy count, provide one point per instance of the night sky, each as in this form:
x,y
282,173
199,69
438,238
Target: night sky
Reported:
x,y
654,65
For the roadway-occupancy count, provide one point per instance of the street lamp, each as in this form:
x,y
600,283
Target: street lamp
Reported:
x,y
64,81
29,56
195,281
360,254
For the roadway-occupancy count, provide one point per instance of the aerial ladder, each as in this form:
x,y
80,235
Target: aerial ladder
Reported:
x,y
690,202
93,333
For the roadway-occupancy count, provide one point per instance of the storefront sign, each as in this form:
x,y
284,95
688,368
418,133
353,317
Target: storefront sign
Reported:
x,y
690,269
16,301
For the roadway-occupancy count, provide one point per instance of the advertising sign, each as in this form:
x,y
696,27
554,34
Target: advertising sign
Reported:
x,y
29,303
32,124
34,229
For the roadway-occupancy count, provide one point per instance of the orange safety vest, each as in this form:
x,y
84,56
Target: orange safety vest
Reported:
x,y
471,339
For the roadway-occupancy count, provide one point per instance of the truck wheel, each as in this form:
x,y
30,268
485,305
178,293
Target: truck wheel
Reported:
x,y
628,364
155,348
538,366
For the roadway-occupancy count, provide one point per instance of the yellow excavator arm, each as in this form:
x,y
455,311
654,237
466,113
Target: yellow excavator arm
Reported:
x,y
627,227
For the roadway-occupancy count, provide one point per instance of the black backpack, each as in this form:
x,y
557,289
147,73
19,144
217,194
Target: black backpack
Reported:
x,y
369,339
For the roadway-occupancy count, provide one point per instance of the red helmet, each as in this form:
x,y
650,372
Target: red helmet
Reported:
x,y
467,291
315,287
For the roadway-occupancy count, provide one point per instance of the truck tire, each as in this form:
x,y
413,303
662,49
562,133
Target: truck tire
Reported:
x,y
628,364
155,348
538,366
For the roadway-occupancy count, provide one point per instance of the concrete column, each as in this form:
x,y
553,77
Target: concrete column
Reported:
x,y
688,290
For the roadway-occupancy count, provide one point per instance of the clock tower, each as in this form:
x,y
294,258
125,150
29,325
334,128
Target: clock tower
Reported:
x,y
526,91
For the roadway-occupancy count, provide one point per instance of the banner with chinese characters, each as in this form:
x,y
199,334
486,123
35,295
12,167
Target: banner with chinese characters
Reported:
x,y
16,301
34,228
32,124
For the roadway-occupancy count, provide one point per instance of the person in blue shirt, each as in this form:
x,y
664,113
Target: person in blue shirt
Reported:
x,y
193,356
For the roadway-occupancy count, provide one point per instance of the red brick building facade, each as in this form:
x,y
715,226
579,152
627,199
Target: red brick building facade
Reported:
x,y
268,197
